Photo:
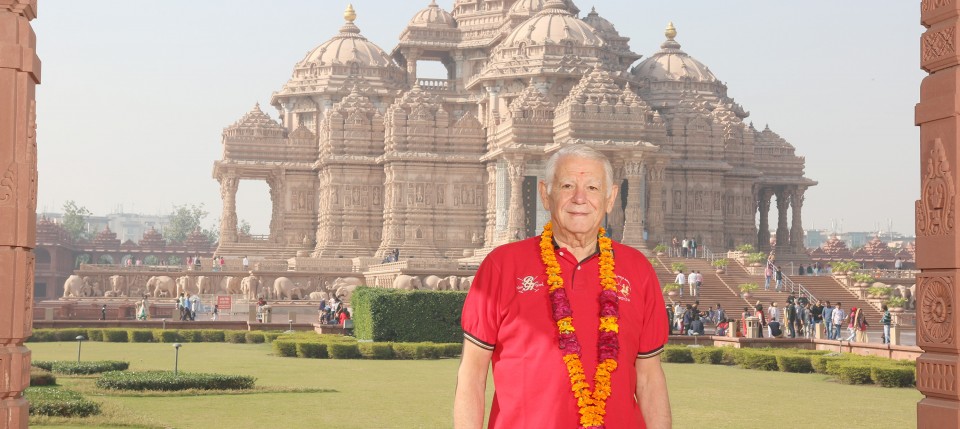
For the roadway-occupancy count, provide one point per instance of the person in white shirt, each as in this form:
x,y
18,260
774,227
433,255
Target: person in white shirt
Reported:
x,y
246,263
838,317
774,312
680,280
692,281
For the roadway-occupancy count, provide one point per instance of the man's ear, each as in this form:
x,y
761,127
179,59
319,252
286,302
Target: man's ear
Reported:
x,y
544,196
612,199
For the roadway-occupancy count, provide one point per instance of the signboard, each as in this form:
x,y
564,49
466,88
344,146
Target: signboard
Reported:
x,y
224,302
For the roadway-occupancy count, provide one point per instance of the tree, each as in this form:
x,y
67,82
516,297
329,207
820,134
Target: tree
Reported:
x,y
184,220
75,220
244,227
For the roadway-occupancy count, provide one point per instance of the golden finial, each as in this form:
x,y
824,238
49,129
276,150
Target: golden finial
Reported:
x,y
671,31
350,14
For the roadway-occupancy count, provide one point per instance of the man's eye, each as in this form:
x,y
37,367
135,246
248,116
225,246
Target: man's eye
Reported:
x,y
566,186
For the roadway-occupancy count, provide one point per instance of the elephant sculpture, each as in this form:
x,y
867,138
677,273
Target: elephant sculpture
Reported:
x,y
406,282
431,282
319,296
340,282
448,283
465,283
346,292
284,288
76,286
204,285
161,286
231,285
183,285
119,286
249,286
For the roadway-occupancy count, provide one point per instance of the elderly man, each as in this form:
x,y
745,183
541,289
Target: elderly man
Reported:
x,y
567,308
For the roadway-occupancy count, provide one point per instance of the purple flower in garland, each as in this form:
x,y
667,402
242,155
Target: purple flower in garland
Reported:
x,y
609,345
561,305
569,344
609,303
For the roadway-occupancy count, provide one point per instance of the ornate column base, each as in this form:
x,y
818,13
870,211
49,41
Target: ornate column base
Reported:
x,y
14,412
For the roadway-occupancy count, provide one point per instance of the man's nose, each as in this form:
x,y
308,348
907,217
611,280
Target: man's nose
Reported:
x,y
580,194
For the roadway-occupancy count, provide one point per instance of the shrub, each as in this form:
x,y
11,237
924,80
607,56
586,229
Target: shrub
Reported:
x,y
343,351
376,350
730,354
87,368
270,336
140,335
191,335
678,266
212,335
70,334
451,350
764,360
720,263
708,355
95,334
235,336
45,365
667,287
889,376
57,402
306,349
660,248
285,348
115,336
745,248
850,372
166,336
417,350
404,350
407,316
42,377
677,355
794,363
42,335
819,363
255,337
166,381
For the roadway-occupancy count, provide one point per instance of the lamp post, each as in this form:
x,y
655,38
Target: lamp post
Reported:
x,y
176,359
79,344
291,325
164,324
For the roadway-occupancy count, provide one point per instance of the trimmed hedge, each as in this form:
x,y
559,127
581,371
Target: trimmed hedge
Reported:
x,y
42,377
819,363
191,335
166,336
95,334
756,359
892,376
311,350
677,355
255,337
794,363
140,335
376,350
708,355
407,316
58,402
343,351
239,337
212,335
115,336
87,368
46,365
166,381
850,372
285,348
451,350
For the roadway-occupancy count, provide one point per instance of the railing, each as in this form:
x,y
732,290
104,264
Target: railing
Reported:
x,y
436,84
149,268
890,274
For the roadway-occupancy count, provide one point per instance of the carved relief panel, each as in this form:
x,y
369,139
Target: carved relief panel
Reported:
x,y
936,323
935,211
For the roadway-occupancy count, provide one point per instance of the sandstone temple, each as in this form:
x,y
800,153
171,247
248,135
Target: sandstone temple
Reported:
x,y
368,159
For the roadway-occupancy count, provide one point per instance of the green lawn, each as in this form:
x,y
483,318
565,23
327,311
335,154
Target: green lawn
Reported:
x,y
419,394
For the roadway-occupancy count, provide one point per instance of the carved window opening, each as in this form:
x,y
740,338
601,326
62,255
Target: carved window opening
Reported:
x,y
419,233
356,234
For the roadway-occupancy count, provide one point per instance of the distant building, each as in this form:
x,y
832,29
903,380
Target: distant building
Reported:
x,y
127,226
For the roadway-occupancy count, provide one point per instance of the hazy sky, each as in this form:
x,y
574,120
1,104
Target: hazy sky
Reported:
x,y
135,94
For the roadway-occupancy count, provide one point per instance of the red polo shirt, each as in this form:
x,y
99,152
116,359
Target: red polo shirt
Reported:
x,y
508,311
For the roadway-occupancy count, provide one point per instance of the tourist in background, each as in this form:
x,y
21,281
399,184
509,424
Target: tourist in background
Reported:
x,y
103,312
692,282
898,264
762,319
699,282
828,320
838,317
790,316
779,275
862,325
675,244
800,270
885,321
719,315
685,247
246,263
767,275
852,324
693,247
774,314
816,321
680,280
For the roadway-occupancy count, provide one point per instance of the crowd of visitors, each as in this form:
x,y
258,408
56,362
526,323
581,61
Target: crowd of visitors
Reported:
x,y
686,248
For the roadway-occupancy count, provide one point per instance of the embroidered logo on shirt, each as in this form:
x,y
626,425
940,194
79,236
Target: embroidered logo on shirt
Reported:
x,y
623,288
528,284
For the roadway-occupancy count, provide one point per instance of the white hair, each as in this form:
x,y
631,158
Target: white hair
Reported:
x,y
579,151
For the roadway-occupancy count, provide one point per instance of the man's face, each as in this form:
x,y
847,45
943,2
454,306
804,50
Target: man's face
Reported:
x,y
578,196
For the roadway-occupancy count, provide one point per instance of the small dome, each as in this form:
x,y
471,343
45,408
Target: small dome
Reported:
x,y
349,46
530,7
600,23
671,63
433,16
553,25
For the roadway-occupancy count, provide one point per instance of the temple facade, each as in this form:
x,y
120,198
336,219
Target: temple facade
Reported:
x,y
367,159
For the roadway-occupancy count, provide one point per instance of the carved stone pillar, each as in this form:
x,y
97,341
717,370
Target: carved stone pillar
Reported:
x,y
763,232
19,75
276,200
228,219
489,231
412,56
633,213
938,244
796,229
494,98
655,209
515,223
783,232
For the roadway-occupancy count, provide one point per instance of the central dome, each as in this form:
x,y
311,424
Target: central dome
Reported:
x,y
348,46
552,25
433,16
671,63
533,6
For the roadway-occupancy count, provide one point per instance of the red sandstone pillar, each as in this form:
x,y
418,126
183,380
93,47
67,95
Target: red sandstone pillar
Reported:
x,y
19,75
938,244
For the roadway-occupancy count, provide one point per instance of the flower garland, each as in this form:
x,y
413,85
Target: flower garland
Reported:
x,y
592,404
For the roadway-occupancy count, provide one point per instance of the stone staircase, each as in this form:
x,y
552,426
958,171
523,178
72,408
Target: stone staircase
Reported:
x,y
715,289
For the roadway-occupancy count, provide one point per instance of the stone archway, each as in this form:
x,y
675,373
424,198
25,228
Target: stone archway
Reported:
x,y
19,75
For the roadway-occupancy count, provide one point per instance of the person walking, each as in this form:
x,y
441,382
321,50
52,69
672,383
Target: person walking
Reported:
x,y
767,275
692,282
852,324
885,321
699,282
816,312
680,280
774,314
103,312
779,275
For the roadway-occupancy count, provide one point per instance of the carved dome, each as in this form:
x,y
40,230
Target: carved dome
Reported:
x,y
152,238
433,16
671,63
255,123
530,7
554,25
600,23
347,47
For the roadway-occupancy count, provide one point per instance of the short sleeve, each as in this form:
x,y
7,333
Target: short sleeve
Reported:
x,y
480,318
653,336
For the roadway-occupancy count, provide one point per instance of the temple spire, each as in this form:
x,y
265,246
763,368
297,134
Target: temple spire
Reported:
x,y
350,15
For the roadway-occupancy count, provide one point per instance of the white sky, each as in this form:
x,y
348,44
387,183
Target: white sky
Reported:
x,y
135,94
